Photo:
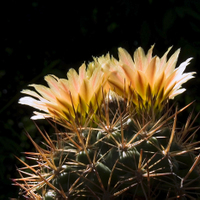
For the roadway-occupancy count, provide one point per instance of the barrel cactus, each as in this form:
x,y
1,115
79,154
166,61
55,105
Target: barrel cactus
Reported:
x,y
116,135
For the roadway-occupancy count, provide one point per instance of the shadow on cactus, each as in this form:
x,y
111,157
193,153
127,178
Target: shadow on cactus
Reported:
x,y
121,139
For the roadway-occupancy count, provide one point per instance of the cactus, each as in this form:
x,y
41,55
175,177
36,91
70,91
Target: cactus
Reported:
x,y
120,137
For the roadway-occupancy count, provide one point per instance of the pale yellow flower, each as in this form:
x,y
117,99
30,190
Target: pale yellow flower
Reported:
x,y
65,99
148,81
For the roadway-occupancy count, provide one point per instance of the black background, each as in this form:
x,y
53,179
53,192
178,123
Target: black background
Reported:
x,y
43,37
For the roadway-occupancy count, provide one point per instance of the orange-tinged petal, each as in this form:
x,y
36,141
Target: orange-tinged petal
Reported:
x,y
170,80
129,74
170,65
163,60
159,84
96,78
64,86
117,74
82,72
125,58
65,96
151,71
73,80
52,81
44,91
140,59
116,85
149,54
140,83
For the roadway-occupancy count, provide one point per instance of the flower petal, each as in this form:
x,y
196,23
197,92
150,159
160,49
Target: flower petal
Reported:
x,y
52,82
125,58
151,71
170,65
140,83
33,103
149,54
73,80
85,91
140,59
163,60
44,91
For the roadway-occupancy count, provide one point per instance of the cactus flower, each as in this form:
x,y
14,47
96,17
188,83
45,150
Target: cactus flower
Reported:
x,y
148,81
65,98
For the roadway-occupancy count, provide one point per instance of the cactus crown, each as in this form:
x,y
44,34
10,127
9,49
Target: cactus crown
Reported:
x,y
118,141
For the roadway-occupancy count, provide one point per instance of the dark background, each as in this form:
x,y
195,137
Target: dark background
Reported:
x,y
42,37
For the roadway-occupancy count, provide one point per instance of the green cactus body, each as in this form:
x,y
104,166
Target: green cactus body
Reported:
x,y
119,162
